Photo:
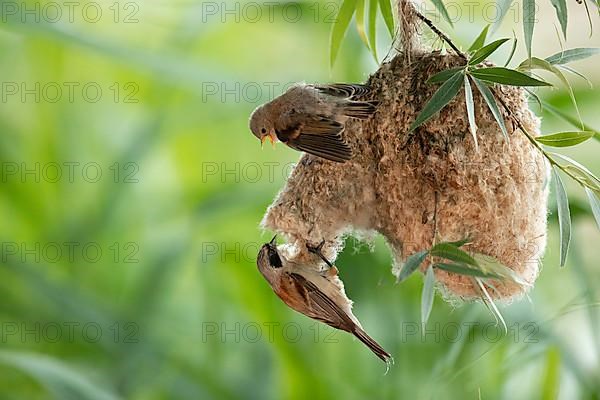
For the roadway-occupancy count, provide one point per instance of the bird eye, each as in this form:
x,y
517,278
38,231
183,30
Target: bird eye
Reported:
x,y
263,130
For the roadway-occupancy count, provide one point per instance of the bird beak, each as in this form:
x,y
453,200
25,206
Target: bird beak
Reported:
x,y
273,241
272,138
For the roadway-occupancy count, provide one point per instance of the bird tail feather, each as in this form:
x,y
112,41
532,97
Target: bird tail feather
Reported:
x,y
372,344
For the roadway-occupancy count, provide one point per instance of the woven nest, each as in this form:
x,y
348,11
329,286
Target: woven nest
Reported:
x,y
401,184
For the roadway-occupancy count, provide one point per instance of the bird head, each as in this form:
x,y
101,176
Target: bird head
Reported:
x,y
262,126
269,260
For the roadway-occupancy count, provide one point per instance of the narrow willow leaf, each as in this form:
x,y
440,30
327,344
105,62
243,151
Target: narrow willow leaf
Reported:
x,y
528,23
491,102
427,296
512,51
463,269
567,56
561,13
373,28
481,54
452,253
339,28
586,177
594,204
489,302
565,139
502,6
491,265
480,40
471,111
360,22
444,75
537,63
579,74
412,263
439,5
564,216
439,100
506,76
388,16
550,387
460,243
533,95
572,120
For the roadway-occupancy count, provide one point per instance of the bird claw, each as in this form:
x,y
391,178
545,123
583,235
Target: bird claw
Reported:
x,y
318,251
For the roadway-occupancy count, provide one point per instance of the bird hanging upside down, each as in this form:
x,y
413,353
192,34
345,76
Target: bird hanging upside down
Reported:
x,y
311,118
317,294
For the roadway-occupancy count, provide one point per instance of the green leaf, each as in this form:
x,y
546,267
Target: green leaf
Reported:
x,y
481,54
579,74
489,302
412,263
480,41
512,51
373,28
444,75
463,269
471,110
388,16
567,56
565,139
452,253
339,28
439,5
564,216
427,296
551,379
528,23
561,13
537,63
439,100
460,243
584,176
503,6
573,121
594,204
492,266
506,76
360,22
491,102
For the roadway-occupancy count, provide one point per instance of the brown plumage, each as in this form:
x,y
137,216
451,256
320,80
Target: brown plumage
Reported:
x,y
317,294
311,118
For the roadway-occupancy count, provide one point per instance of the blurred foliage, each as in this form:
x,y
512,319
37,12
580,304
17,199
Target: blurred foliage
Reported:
x,y
174,308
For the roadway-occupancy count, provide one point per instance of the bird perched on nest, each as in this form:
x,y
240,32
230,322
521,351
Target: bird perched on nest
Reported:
x,y
317,294
311,118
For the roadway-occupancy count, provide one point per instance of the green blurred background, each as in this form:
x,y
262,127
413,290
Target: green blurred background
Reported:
x,y
130,200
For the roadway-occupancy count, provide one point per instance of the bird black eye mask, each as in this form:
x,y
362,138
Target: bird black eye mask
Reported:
x,y
274,259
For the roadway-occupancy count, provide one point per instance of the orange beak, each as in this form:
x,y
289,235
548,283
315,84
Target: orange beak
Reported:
x,y
272,138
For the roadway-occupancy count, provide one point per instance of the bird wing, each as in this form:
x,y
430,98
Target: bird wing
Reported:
x,y
345,90
320,306
317,135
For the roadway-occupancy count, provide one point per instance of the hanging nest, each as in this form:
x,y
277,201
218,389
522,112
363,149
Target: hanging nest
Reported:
x,y
433,181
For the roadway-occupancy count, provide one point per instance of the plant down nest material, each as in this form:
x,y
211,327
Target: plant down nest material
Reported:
x,y
410,186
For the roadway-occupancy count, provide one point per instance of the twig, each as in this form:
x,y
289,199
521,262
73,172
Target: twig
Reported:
x,y
441,34
435,210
